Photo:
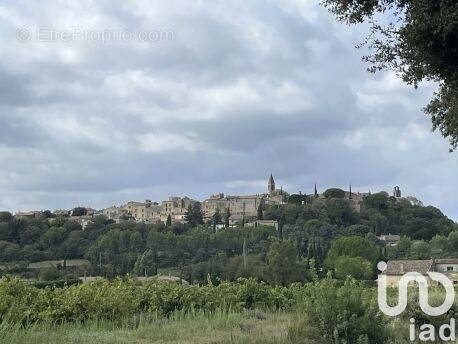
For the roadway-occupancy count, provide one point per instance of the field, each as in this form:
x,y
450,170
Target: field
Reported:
x,y
219,327
327,311
55,263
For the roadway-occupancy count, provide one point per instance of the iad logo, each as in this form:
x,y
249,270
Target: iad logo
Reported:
x,y
422,282
403,284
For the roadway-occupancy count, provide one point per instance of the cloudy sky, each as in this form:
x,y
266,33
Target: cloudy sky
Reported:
x,y
103,103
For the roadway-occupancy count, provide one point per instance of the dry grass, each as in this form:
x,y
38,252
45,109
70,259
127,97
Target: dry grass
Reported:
x,y
221,328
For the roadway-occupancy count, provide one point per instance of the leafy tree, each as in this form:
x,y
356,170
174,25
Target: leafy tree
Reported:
x,y
9,251
379,201
297,199
356,267
420,250
283,266
79,211
48,214
49,274
5,216
168,223
334,193
194,215
379,223
330,314
339,211
216,218
419,42
145,264
6,231
227,215
353,246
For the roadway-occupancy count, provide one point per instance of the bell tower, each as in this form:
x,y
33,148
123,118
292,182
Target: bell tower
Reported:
x,y
271,185
397,192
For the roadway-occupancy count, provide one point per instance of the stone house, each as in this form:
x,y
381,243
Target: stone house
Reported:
x,y
395,269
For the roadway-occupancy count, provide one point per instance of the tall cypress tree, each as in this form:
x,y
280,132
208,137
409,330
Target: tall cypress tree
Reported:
x,y
194,215
226,218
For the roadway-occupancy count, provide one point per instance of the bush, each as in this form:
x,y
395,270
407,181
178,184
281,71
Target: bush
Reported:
x,y
57,283
23,303
356,267
333,313
334,193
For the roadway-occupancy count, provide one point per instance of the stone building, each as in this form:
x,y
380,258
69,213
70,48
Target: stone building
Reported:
x,y
395,269
151,212
245,206
176,207
28,214
397,192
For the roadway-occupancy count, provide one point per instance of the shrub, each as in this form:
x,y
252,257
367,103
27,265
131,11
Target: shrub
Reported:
x,y
21,302
333,313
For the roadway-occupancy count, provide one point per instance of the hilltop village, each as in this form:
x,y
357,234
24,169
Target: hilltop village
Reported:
x,y
239,207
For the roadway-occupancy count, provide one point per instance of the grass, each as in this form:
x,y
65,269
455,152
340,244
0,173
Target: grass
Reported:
x,y
217,328
54,263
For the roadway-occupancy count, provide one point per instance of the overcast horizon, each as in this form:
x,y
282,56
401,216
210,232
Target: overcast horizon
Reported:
x,y
231,92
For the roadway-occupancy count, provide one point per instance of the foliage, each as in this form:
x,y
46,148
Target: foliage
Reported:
x,y
216,218
297,199
22,303
223,327
352,246
283,266
334,193
338,314
194,215
356,267
419,42
195,252
439,247
79,211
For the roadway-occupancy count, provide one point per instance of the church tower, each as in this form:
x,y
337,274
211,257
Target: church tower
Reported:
x,y
271,185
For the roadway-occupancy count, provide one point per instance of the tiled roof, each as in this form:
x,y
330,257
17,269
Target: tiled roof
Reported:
x,y
400,267
446,261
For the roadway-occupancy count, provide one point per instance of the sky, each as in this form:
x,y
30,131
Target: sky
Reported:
x,y
103,102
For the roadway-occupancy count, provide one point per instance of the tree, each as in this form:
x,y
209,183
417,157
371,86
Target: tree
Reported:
x,y
227,215
79,211
194,215
145,264
168,223
297,199
419,43
379,223
260,215
49,274
339,211
356,267
379,201
5,216
334,193
353,246
283,266
216,218
48,214
339,314
420,250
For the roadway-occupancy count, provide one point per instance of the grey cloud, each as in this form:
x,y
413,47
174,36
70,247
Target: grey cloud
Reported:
x,y
245,89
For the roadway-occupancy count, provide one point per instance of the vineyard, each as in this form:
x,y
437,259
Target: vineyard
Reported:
x,y
22,303
325,311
